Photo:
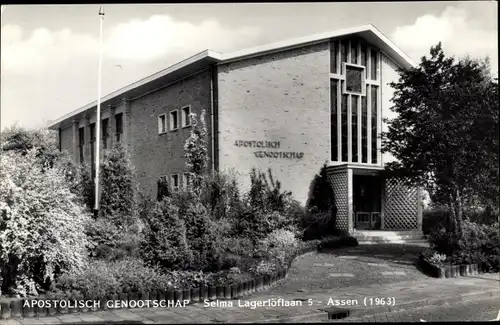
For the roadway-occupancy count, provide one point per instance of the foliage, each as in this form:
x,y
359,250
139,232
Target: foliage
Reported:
x,y
101,278
196,152
165,242
221,195
477,244
446,131
437,258
266,195
20,140
113,242
320,193
118,189
203,240
163,189
279,245
228,277
42,223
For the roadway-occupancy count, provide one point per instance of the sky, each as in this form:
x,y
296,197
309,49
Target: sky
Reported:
x,y
49,53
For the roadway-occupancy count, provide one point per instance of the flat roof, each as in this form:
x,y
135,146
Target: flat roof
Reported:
x,y
206,58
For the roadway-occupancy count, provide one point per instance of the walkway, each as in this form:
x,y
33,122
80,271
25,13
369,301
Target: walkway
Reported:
x,y
347,275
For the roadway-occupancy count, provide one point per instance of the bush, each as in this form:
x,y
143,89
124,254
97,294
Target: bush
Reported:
x,y
477,244
103,278
203,239
266,195
165,242
41,224
221,196
279,245
237,252
118,189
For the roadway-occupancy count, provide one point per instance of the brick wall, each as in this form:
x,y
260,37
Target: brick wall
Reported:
x,y
155,155
278,97
67,140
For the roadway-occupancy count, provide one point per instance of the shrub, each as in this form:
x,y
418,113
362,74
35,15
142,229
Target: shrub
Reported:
x,y
320,193
221,196
202,238
165,242
118,189
102,278
163,189
279,245
41,223
196,152
317,225
237,252
266,195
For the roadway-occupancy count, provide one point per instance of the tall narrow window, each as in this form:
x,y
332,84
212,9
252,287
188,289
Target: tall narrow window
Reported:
x,y
333,56
105,133
186,119
174,180
119,126
162,124
374,63
354,127
364,61
81,142
174,120
92,148
344,127
364,133
374,93
354,52
343,50
333,119
186,181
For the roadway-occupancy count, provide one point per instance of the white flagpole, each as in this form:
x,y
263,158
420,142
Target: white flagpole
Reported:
x,y
98,116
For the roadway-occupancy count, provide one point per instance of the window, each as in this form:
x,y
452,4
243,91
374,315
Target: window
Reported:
x,y
162,124
364,133
186,181
343,50
81,142
374,62
354,127
119,126
186,119
92,153
354,52
333,56
174,181
344,135
364,57
174,120
333,118
374,90
105,134
354,79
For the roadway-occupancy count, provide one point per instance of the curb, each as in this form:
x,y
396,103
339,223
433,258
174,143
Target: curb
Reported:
x,y
360,312
450,271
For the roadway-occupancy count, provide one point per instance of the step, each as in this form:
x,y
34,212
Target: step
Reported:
x,y
414,242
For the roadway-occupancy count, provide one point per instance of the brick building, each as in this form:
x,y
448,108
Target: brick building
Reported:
x,y
289,106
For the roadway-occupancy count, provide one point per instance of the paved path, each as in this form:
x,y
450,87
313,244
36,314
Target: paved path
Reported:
x,y
314,280
407,294
340,268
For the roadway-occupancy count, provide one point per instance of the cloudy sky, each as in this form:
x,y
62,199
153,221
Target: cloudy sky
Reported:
x,y
49,54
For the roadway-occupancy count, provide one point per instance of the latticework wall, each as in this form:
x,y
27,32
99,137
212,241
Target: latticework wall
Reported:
x,y
400,206
338,181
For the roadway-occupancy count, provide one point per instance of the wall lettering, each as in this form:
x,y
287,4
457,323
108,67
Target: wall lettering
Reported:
x,y
268,154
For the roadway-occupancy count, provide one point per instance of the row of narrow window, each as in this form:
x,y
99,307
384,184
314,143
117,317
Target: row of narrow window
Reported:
x,y
175,182
173,120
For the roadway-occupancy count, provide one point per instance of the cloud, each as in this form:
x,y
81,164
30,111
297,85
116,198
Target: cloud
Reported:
x,y
458,33
140,41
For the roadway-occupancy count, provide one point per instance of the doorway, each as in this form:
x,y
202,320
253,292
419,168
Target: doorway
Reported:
x,y
367,202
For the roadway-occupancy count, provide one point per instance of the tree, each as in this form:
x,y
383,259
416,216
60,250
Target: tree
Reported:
x,y
41,223
118,189
196,153
445,135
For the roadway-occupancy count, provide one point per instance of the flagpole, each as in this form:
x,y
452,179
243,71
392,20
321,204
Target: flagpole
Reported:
x,y
98,116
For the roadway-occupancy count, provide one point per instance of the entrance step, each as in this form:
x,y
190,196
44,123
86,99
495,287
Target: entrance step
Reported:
x,y
388,237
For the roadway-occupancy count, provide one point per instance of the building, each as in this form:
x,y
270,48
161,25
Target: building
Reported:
x,y
289,106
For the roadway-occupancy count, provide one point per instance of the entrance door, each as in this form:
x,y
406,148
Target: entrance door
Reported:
x,y
367,192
